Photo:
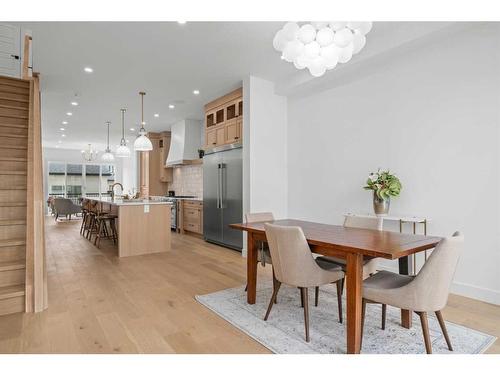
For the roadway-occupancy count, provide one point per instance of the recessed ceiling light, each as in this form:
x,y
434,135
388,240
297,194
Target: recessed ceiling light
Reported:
x,y
59,141
69,113
63,135
181,22
171,106
196,92
74,103
65,122
62,129
132,129
88,69
157,115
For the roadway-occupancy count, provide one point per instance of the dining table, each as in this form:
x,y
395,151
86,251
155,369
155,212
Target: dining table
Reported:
x,y
352,244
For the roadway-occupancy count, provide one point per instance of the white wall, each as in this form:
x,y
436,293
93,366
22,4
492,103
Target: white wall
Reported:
x,y
431,116
265,131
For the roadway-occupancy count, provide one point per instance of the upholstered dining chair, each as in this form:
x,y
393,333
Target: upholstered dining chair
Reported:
x,y
294,265
263,255
369,264
426,292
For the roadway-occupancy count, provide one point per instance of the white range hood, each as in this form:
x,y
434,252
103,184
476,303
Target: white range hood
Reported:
x,y
184,142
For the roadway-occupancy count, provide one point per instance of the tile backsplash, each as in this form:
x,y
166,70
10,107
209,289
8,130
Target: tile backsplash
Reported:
x,y
188,180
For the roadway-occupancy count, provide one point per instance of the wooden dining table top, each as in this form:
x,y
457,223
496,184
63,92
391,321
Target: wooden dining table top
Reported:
x,y
368,242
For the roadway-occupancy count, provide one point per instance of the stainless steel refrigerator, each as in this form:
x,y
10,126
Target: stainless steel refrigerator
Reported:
x,y
223,195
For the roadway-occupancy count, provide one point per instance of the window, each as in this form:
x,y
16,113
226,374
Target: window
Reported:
x,y
76,180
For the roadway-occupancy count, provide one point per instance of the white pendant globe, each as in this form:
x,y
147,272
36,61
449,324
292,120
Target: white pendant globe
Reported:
x,y
142,143
122,152
107,156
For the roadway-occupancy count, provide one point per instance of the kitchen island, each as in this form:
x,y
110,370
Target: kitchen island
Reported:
x,y
143,225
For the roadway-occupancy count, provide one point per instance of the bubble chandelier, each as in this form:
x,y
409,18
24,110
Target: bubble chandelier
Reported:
x,y
320,46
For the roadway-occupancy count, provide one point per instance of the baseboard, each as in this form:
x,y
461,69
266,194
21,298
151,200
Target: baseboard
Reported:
x,y
466,290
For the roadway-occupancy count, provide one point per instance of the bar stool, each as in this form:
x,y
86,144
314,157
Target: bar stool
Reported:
x,y
85,215
103,220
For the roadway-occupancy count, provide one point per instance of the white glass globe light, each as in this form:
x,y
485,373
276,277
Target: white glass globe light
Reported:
x,y
317,67
319,25
303,60
342,37
358,41
291,30
142,143
307,33
293,50
325,36
312,50
107,156
122,151
331,55
346,54
336,25
365,27
298,65
354,25
280,41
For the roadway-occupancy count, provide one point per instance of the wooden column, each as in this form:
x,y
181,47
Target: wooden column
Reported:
x,y
144,174
26,57
36,272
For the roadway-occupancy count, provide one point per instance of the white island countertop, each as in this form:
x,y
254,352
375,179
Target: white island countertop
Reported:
x,y
129,202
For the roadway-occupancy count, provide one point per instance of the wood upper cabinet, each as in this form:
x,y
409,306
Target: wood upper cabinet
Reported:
x,y
224,120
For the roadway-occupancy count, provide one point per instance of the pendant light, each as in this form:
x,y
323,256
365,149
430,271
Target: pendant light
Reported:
x,y
123,151
89,154
108,156
142,143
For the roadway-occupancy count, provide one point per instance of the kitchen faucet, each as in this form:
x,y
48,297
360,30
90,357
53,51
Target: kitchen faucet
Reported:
x,y
113,189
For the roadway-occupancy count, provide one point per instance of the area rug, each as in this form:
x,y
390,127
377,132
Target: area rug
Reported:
x,y
284,330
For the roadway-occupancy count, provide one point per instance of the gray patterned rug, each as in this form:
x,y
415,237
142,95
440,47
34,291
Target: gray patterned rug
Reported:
x,y
284,330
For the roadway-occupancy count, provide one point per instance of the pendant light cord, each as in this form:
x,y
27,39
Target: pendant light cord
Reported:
x,y
108,122
142,93
123,124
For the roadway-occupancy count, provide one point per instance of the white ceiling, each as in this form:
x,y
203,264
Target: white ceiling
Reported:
x,y
168,61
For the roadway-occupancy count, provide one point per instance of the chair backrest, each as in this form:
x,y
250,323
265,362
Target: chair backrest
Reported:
x,y
259,216
432,284
362,222
63,205
293,262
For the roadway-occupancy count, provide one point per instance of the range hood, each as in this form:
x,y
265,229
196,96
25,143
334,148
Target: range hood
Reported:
x,y
184,142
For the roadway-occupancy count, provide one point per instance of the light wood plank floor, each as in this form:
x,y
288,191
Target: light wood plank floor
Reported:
x,y
101,304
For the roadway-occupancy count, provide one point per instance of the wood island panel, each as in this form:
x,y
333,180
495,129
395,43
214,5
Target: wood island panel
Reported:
x,y
142,232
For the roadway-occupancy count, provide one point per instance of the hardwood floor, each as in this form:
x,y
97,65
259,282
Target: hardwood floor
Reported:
x,y
145,304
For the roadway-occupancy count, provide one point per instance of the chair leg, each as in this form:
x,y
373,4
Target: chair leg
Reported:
x,y
301,298
443,328
339,297
274,286
363,314
316,296
342,286
246,287
305,302
273,298
384,311
425,331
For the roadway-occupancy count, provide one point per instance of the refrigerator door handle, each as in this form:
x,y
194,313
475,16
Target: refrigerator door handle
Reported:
x,y
222,167
218,186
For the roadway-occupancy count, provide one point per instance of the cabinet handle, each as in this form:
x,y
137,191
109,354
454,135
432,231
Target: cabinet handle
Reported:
x,y
236,137
214,143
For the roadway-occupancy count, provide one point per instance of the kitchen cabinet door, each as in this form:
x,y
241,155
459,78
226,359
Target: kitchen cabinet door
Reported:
x,y
232,132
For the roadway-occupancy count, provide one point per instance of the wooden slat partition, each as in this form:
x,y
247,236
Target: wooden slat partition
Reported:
x,y
36,272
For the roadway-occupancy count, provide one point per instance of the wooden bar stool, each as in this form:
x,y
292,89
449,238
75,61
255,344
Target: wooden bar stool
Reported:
x,y
103,220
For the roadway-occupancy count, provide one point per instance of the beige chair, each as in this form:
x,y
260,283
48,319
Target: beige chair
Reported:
x,y
428,291
294,265
263,255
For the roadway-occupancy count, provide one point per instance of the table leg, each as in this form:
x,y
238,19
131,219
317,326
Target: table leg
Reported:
x,y
354,275
404,269
251,268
